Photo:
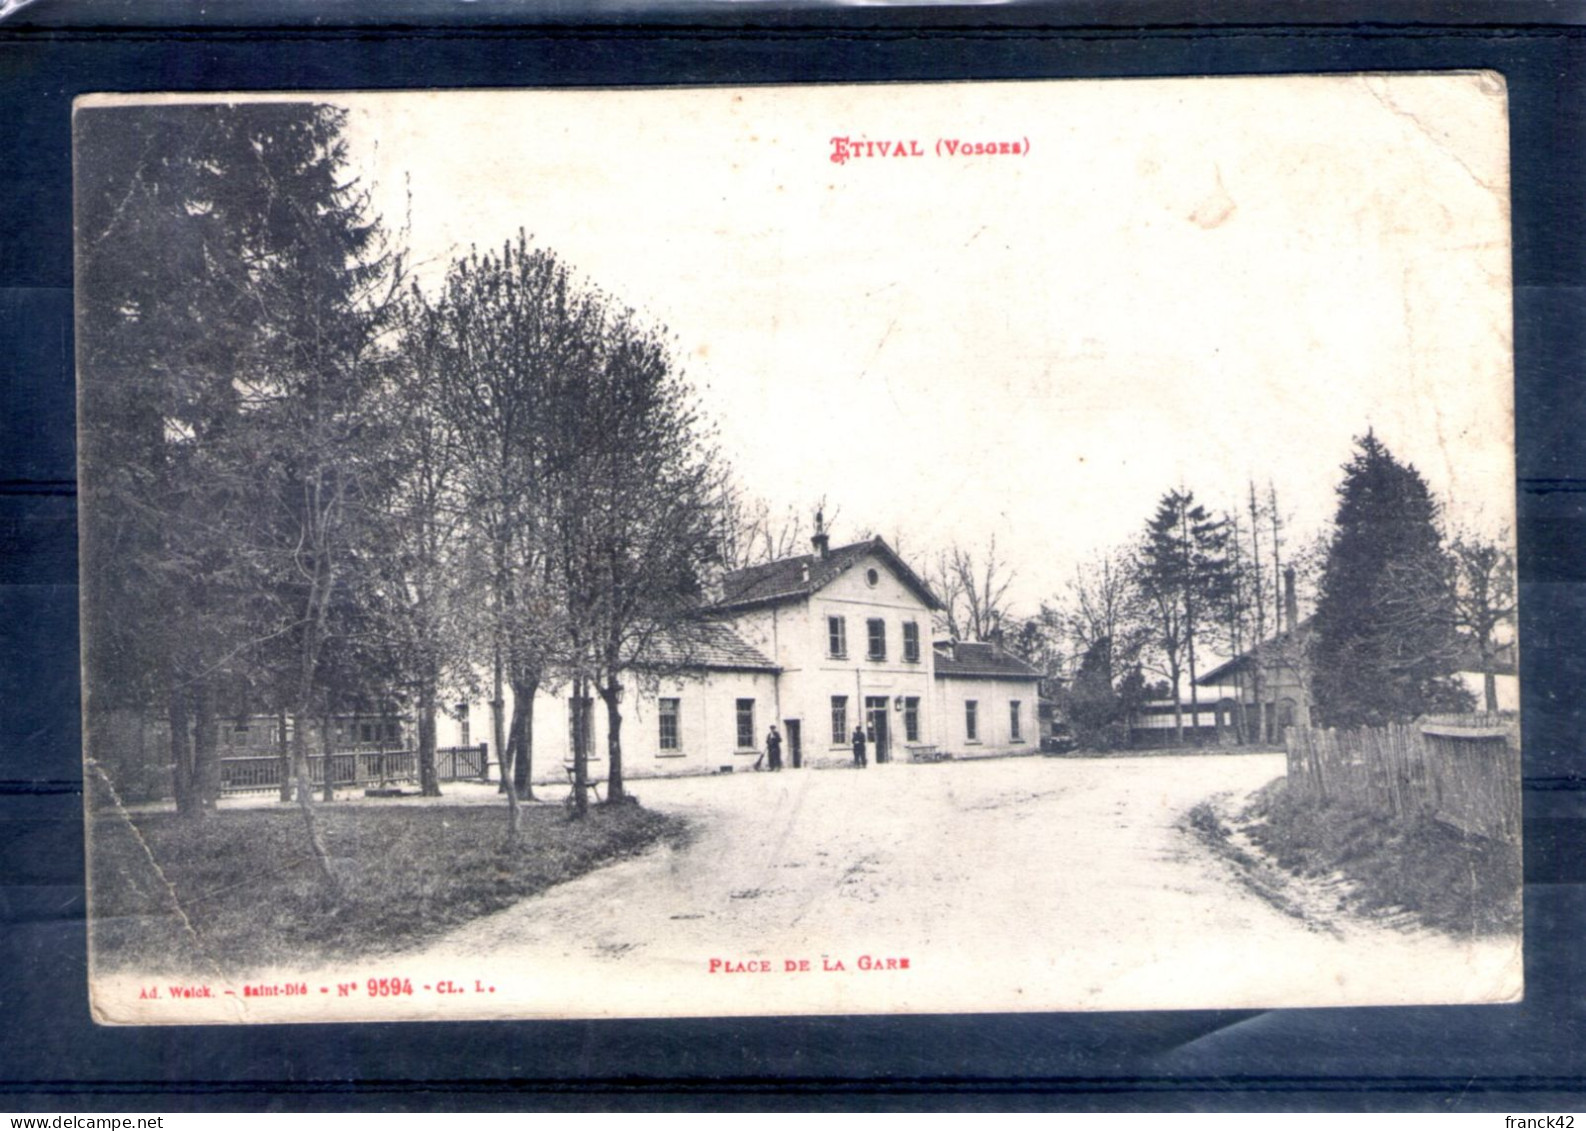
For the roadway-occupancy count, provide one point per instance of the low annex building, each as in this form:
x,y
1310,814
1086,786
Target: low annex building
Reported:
x,y
1270,683
817,645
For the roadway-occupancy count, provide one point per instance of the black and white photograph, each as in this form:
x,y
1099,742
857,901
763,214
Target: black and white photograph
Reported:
x,y
798,550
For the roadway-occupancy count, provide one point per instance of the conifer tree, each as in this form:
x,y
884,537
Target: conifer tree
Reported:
x,y
1182,580
234,287
227,275
1385,644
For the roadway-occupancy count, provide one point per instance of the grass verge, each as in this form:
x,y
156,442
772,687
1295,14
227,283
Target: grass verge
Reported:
x,y
1448,880
252,895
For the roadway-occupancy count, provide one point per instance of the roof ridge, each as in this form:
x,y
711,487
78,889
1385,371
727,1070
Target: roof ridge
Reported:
x,y
803,574
865,544
984,658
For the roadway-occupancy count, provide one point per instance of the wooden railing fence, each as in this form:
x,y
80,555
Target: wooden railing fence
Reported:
x,y
457,763
353,769
1463,770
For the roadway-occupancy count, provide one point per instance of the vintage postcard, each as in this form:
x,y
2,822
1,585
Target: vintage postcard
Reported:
x,y
927,548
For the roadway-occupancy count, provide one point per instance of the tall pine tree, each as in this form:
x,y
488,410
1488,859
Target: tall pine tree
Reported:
x,y
1385,646
231,289
1182,582
175,223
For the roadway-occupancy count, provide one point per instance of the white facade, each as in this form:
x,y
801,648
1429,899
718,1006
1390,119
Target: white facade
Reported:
x,y
846,663
701,733
1002,713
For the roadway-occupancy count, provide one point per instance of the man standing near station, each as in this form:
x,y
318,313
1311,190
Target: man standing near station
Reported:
x,y
773,749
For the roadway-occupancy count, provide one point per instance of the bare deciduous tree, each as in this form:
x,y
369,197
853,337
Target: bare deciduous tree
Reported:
x,y
753,534
1484,600
973,593
418,589
1096,608
508,329
639,509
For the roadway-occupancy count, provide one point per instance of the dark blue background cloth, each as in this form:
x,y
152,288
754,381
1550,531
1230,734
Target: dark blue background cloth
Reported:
x,y
1525,1057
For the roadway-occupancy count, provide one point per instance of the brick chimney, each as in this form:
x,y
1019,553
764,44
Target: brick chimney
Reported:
x,y
1291,603
820,541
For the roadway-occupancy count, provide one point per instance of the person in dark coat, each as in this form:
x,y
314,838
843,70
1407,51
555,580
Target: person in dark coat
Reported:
x,y
773,749
859,746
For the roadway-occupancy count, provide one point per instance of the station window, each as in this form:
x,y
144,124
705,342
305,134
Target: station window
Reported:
x,y
668,712
746,724
911,642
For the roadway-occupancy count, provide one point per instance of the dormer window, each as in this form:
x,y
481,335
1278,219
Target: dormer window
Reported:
x,y
837,638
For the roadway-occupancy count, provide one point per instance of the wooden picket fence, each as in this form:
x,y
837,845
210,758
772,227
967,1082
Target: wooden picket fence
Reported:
x,y
463,763
353,769
1463,770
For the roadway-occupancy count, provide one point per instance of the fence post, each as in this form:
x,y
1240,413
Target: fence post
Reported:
x,y
1462,770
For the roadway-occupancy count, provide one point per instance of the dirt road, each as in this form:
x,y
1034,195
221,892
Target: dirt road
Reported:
x,y
1028,883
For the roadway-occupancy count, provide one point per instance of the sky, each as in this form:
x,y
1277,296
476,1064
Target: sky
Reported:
x,y
1193,282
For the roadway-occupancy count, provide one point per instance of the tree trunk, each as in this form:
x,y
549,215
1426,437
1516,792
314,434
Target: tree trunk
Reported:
x,y
1257,689
1178,710
510,758
498,726
284,750
327,750
614,787
580,749
181,753
429,783
524,689
305,800
313,635
507,755
523,761
1489,687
